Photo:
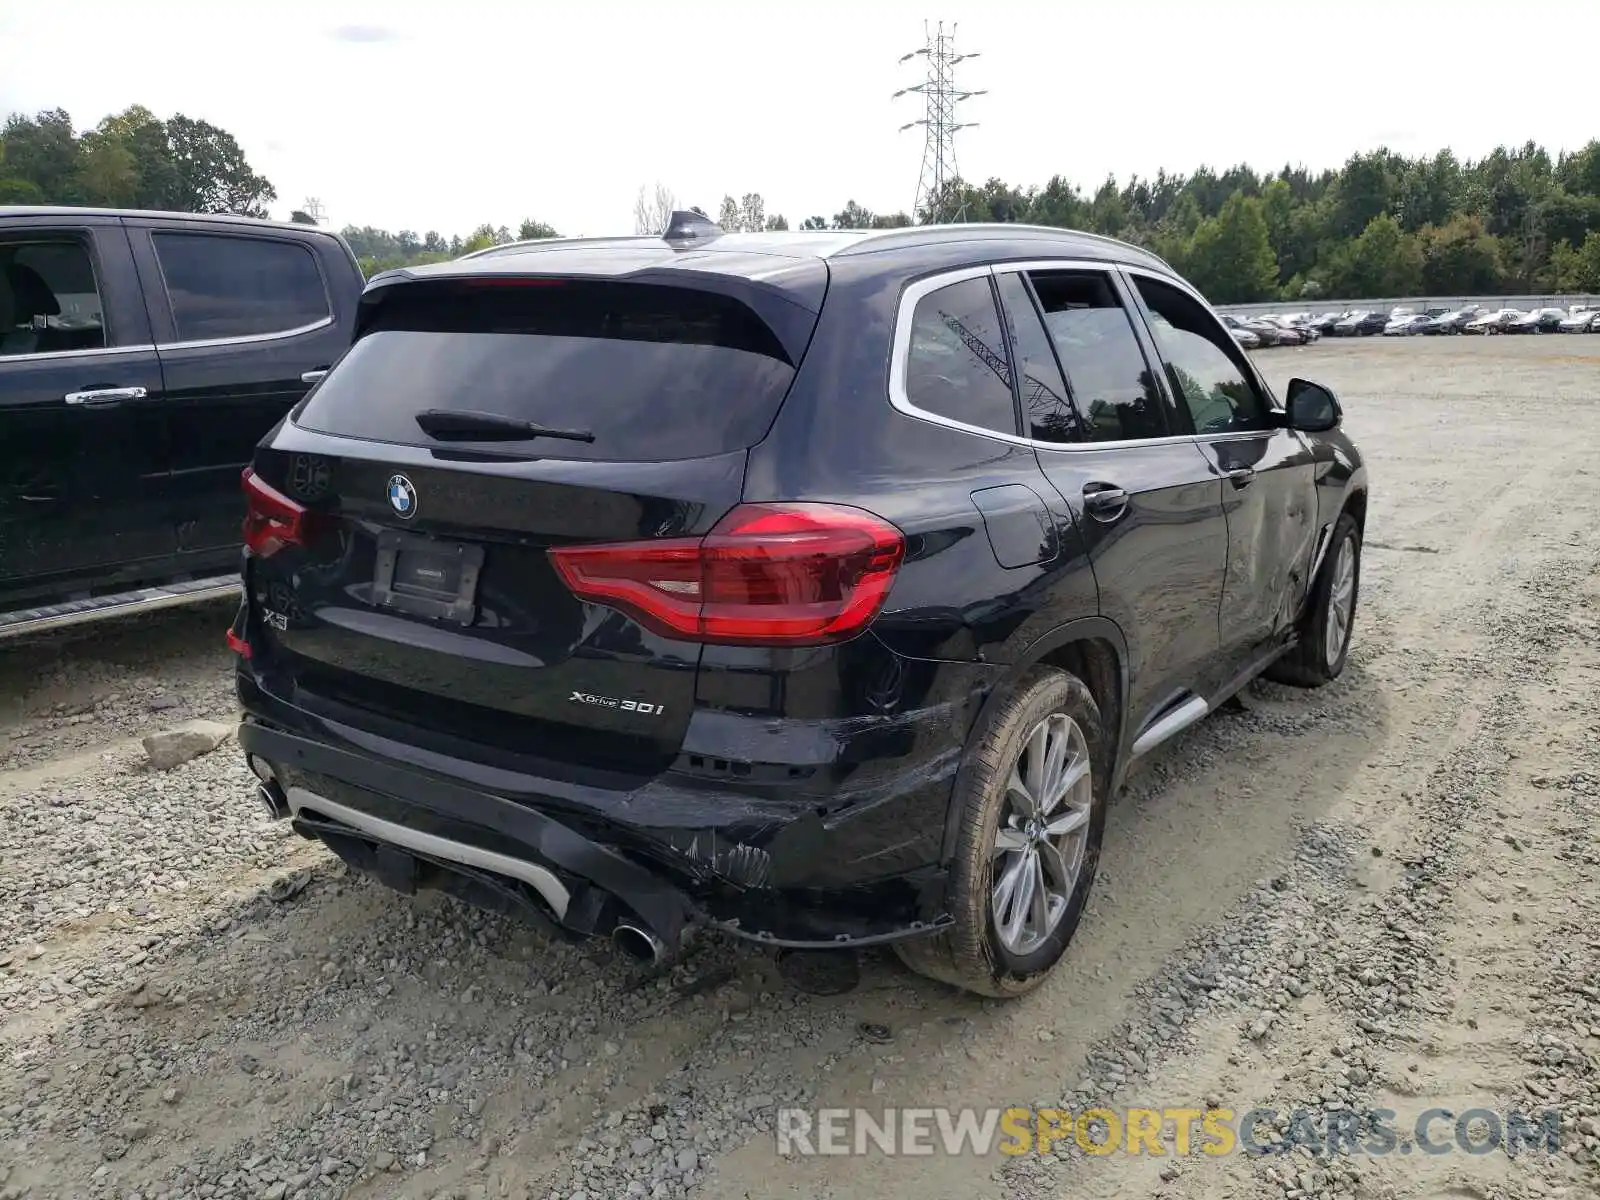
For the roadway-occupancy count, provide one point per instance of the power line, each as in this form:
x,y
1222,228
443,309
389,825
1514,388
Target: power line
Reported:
x,y
940,122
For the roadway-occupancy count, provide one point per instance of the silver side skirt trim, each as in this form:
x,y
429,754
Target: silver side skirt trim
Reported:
x,y
538,878
1179,719
123,604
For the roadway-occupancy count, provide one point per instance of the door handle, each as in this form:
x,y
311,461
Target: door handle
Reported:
x,y
1104,501
1241,476
102,397
313,376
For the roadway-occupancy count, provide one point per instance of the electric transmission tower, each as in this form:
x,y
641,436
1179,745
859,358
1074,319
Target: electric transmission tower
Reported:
x,y
314,209
940,121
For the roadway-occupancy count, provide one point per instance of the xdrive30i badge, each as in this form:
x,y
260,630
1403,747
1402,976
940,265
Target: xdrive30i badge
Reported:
x,y
638,706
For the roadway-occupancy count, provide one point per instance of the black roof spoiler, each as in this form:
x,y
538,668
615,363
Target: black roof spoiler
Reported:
x,y
790,312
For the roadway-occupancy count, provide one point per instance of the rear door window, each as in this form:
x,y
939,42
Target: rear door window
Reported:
x,y
654,373
222,286
1112,385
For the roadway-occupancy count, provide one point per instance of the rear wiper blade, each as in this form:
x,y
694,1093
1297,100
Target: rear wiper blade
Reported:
x,y
453,426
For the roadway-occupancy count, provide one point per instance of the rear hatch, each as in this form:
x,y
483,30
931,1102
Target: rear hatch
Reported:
x,y
401,573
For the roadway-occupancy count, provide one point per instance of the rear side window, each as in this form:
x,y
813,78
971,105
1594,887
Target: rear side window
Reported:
x,y
654,373
1112,384
956,367
222,286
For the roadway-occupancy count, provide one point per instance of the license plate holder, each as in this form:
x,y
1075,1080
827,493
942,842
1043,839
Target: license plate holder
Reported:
x,y
427,577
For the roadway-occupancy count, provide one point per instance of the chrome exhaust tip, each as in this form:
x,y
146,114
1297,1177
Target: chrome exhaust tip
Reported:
x,y
638,944
273,799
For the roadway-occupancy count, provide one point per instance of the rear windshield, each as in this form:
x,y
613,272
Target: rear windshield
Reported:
x,y
654,373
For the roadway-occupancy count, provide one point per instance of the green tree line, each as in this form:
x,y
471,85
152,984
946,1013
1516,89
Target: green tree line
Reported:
x,y
380,250
1383,224
130,160
134,159
1517,220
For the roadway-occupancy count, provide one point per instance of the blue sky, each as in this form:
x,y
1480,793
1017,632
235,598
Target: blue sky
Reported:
x,y
421,115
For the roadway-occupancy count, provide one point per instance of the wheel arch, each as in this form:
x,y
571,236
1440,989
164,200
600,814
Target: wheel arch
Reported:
x,y
1356,505
1091,648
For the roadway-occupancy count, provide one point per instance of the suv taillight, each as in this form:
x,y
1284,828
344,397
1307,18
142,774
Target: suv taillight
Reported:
x,y
272,520
766,575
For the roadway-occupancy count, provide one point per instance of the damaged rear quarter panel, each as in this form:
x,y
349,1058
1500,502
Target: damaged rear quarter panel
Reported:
x,y
831,799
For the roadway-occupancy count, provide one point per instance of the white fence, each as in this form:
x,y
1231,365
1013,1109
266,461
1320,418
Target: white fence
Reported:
x,y
1418,303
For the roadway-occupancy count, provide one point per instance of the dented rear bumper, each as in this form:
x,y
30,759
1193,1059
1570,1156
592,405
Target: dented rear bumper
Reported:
x,y
832,838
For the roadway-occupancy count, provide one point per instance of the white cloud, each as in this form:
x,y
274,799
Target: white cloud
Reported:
x,y
364,33
419,115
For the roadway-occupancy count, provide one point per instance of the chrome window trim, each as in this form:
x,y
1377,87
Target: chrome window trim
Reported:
x,y
901,352
242,340
1235,435
1172,439
248,339
92,352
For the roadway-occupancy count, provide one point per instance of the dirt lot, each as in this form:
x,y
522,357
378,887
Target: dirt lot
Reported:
x,y
1381,895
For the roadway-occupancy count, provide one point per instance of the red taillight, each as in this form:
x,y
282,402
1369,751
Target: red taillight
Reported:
x,y
238,645
272,520
767,575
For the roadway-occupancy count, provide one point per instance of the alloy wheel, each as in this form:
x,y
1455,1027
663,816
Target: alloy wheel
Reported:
x,y
1341,599
1043,833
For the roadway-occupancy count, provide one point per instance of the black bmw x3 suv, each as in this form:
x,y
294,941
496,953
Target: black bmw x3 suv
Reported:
x,y
815,587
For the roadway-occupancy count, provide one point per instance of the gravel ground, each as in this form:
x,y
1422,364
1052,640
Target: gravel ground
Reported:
x,y
1383,894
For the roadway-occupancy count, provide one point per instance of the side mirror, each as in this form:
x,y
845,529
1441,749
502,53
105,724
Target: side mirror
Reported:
x,y
1313,408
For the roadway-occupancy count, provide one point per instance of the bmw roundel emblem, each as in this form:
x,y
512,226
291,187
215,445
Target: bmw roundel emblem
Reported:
x,y
402,496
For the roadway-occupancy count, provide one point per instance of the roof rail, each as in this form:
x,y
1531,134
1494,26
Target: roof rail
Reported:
x,y
508,246
873,235
525,243
683,228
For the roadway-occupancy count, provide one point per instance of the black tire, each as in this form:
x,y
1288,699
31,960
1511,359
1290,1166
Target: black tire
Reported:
x,y
970,954
1310,664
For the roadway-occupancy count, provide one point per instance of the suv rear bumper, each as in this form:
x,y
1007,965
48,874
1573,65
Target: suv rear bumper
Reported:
x,y
666,855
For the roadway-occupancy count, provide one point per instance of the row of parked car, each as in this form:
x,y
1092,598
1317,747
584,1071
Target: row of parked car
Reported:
x,y
1296,329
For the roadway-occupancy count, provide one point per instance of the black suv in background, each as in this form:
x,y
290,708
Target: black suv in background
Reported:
x,y
817,587
142,356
